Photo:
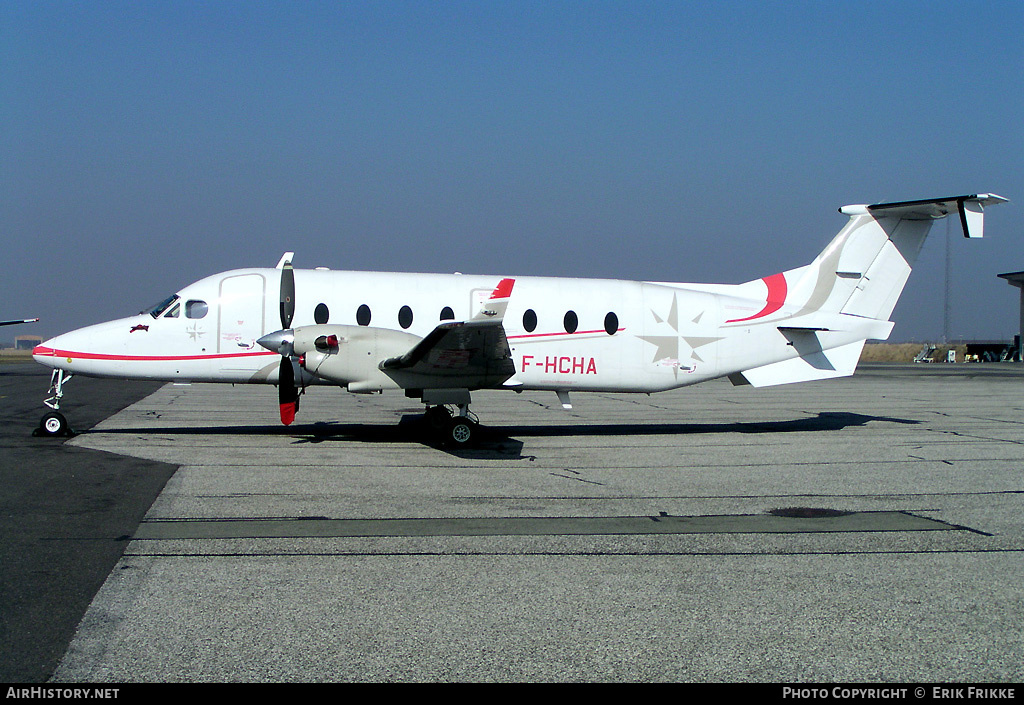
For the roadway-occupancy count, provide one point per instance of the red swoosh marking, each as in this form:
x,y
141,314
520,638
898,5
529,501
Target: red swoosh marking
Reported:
x,y
777,291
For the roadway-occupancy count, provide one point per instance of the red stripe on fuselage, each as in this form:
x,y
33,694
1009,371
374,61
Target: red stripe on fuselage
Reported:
x,y
51,352
562,333
777,291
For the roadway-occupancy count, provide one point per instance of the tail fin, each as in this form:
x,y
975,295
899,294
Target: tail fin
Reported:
x,y
846,295
863,270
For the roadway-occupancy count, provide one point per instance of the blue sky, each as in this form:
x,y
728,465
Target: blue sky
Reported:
x,y
146,145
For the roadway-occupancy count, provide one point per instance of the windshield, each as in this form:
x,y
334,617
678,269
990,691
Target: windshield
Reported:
x,y
162,306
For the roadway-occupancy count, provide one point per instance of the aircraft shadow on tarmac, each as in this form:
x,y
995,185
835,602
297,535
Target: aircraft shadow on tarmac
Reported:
x,y
504,442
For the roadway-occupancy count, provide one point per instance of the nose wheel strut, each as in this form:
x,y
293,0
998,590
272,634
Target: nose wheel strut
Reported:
x,y
53,422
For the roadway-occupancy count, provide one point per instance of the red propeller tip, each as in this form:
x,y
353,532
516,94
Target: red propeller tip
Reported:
x,y
288,413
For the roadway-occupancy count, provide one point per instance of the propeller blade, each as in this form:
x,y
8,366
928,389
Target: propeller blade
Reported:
x,y
287,295
287,394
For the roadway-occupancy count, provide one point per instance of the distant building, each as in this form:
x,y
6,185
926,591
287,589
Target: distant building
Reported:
x,y
1017,279
27,342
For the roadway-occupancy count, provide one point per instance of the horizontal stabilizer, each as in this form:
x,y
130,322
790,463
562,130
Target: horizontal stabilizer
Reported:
x,y
971,209
811,365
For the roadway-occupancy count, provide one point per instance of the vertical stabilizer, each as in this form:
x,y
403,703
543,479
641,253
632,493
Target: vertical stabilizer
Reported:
x,y
823,312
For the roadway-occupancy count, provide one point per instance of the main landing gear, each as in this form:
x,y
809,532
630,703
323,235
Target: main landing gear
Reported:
x,y
53,422
452,430
456,428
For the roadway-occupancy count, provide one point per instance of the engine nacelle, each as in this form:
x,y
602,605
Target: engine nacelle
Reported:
x,y
350,355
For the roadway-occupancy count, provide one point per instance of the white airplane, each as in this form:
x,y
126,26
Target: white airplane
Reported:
x,y
438,337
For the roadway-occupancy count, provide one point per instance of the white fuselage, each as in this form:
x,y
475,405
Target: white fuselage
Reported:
x,y
564,333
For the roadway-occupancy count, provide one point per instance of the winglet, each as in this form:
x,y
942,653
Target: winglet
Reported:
x,y
493,309
504,289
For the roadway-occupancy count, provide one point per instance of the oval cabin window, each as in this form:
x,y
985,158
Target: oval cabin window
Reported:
x,y
571,322
529,320
405,317
321,314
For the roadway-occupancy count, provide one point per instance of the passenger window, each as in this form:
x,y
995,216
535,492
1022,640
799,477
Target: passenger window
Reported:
x,y
196,309
611,323
405,317
363,315
321,314
447,314
571,322
529,320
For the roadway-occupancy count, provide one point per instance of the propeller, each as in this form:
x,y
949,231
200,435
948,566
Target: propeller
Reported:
x,y
287,392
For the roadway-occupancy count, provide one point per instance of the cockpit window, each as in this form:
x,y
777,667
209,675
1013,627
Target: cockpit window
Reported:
x,y
173,312
163,306
196,309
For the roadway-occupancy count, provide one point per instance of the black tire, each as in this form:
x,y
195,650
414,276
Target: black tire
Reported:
x,y
53,423
461,432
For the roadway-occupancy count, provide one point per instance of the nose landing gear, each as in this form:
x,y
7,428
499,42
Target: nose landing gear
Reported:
x,y
53,422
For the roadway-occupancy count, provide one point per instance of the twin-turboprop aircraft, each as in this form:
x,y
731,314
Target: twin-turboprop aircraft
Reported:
x,y
439,337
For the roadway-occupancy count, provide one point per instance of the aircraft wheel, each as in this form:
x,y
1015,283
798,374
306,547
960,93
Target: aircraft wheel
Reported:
x,y
53,424
461,432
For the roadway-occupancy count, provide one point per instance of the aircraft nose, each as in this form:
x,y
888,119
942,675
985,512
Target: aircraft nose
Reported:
x,y
83,343
46,352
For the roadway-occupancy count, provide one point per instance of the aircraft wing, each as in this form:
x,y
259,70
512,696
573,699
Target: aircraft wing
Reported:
x,y
473,353
14,323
